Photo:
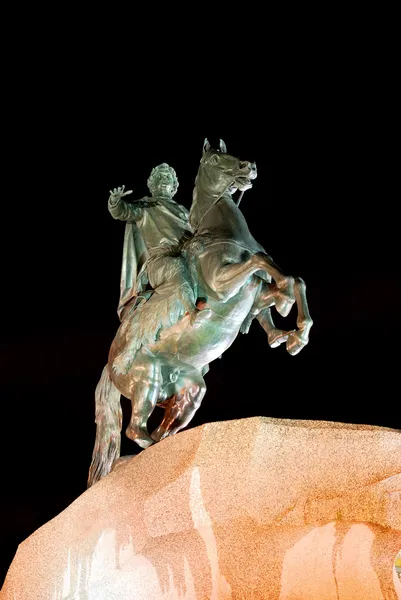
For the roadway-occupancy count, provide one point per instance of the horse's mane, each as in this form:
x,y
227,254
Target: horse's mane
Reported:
x,y
209,199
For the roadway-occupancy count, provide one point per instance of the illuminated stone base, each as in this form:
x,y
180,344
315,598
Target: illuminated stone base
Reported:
x,y
255,509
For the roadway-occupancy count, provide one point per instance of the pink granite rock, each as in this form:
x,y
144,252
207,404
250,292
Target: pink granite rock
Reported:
x,y
254,509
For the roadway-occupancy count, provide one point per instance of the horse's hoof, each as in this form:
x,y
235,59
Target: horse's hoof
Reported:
x,y
277,337
159,434
144,443
139,436
295,343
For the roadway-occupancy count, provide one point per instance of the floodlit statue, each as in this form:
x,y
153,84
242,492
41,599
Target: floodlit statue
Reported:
x,y
190,283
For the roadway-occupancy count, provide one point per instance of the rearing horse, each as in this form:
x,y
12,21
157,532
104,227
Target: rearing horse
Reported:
x,y
234,276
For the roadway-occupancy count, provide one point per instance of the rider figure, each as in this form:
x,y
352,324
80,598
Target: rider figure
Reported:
x,y
163,226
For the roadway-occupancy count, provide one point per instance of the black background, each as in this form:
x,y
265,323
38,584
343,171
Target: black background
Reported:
x,y
321,206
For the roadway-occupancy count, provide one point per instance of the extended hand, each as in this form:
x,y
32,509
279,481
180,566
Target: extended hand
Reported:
x,y
118,193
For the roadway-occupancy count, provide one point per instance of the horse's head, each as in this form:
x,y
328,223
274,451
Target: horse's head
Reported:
x,y
219,171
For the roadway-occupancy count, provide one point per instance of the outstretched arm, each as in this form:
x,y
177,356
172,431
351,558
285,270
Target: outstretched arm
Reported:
x,y
119,209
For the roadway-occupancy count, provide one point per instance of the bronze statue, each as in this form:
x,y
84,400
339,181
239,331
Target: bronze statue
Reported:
x,y
221,279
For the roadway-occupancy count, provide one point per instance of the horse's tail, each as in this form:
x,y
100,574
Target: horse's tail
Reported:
x,y
108,427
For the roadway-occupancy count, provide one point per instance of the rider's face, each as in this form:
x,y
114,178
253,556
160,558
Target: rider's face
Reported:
x,y
163,184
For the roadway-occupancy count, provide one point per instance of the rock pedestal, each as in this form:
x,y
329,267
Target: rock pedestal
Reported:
x,y
254,509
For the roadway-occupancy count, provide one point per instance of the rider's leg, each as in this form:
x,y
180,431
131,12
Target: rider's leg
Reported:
x,y
144,392
170,276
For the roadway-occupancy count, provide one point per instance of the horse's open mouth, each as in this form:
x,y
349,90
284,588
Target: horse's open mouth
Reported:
x,y
243,183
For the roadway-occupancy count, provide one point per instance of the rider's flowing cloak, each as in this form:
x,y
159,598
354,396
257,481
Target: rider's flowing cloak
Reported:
x,y
133,273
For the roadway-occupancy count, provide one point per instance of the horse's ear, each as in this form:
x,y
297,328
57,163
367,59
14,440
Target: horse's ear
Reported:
x,y
223,147
206,146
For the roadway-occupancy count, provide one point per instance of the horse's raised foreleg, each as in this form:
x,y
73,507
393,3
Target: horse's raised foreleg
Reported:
x,y
281,294
267,297
275,336
145,386
227,278
181,408
298,339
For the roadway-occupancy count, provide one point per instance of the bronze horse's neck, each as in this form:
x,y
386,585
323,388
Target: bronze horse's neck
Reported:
x,y
203,199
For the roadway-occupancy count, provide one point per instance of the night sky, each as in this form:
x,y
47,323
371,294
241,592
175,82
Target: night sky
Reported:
x,y
318,206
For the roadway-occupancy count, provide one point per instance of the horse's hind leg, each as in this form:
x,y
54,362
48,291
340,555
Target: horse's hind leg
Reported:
x,y
181,407
144,392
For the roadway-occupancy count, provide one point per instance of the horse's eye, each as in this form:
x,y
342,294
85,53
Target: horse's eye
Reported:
x,y
214,159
